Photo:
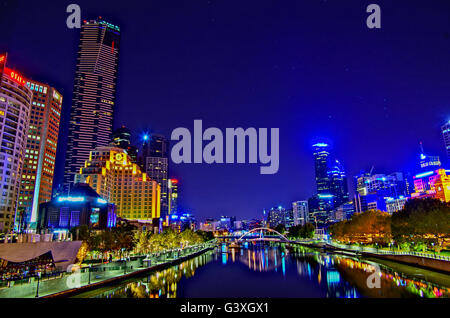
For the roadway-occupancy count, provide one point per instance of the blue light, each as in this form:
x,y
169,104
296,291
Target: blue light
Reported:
x,y
320,144
325,196
145,137
101,201
71,199
425,174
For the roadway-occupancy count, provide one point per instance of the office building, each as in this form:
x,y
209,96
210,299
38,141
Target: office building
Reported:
x,y
276,216
300,212
40,154
331,179
112,174
94,94
15,110
173,196
121,137
154,158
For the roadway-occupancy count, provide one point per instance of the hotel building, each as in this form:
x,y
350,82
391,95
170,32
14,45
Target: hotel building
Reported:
x,y
94,94
40,154
15,107
112,174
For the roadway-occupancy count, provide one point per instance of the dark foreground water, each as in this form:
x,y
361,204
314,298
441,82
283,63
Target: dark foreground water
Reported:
x,y
276,271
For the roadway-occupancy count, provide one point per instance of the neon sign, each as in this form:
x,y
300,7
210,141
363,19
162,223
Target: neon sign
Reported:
x,y
16,77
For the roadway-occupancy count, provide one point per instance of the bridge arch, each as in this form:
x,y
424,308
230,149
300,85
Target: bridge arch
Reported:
x,y
261,230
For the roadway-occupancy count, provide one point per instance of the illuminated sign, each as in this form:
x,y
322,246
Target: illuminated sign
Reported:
x,y
2,63
16,77
101,201
71,199
120,157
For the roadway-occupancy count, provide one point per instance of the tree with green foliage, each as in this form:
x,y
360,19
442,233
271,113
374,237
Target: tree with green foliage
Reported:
x,y
205,235
302,231
423,221
280,228
365,227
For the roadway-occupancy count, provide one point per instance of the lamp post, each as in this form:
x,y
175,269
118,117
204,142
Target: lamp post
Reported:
x,y
37,288
89,271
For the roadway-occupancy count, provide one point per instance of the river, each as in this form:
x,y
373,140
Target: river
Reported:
x,y
279,271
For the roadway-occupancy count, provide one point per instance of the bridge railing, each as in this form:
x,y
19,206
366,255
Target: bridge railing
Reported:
x,y
389,252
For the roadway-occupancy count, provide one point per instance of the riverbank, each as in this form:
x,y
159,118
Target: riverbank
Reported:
x,y
88,287
424,262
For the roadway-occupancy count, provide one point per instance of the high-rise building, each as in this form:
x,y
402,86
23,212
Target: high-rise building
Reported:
x,y
331,180
300,212
173,196
15,110
276,216
156,164
446,134
121,137
38,169
94,94
321,153
112,174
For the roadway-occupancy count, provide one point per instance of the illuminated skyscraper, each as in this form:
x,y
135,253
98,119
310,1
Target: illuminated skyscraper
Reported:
x,y
331,179
173,196
94,94
39,165
321,153
156,164
112,174
121,138
446,134
15,109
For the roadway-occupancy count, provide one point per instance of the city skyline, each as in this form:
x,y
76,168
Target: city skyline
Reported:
x,y
379,136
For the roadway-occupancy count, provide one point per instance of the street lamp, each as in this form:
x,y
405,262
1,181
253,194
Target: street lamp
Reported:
x,y
89,270
37,288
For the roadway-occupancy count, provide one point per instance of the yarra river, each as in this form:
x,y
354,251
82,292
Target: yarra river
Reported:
x,y
277,271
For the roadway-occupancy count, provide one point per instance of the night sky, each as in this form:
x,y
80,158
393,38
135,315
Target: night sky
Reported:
x,y
311,68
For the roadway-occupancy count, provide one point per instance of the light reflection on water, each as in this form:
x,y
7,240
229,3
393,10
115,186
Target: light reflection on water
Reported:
x,y
298,272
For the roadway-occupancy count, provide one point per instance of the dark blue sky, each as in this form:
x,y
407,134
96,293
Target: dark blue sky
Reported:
x,y
311,68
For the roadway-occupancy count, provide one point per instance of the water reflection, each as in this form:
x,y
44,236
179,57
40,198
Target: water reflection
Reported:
x,y
274,271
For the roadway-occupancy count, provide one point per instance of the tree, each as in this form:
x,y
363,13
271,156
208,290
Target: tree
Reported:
x,y
206,236
369,226
280,228
422,220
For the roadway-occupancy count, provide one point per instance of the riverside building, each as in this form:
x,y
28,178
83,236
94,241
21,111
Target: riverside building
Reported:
x,y
111,173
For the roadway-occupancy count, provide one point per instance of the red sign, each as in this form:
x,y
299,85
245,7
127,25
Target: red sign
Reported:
x,y
17,77
2,63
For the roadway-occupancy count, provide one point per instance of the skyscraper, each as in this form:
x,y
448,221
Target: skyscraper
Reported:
x,y
173,196
94,93
331,180
40,154
156,165
121,137
15,109
321,153
446,134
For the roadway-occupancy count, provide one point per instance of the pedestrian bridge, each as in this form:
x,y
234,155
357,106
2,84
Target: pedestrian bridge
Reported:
x,y
261,234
